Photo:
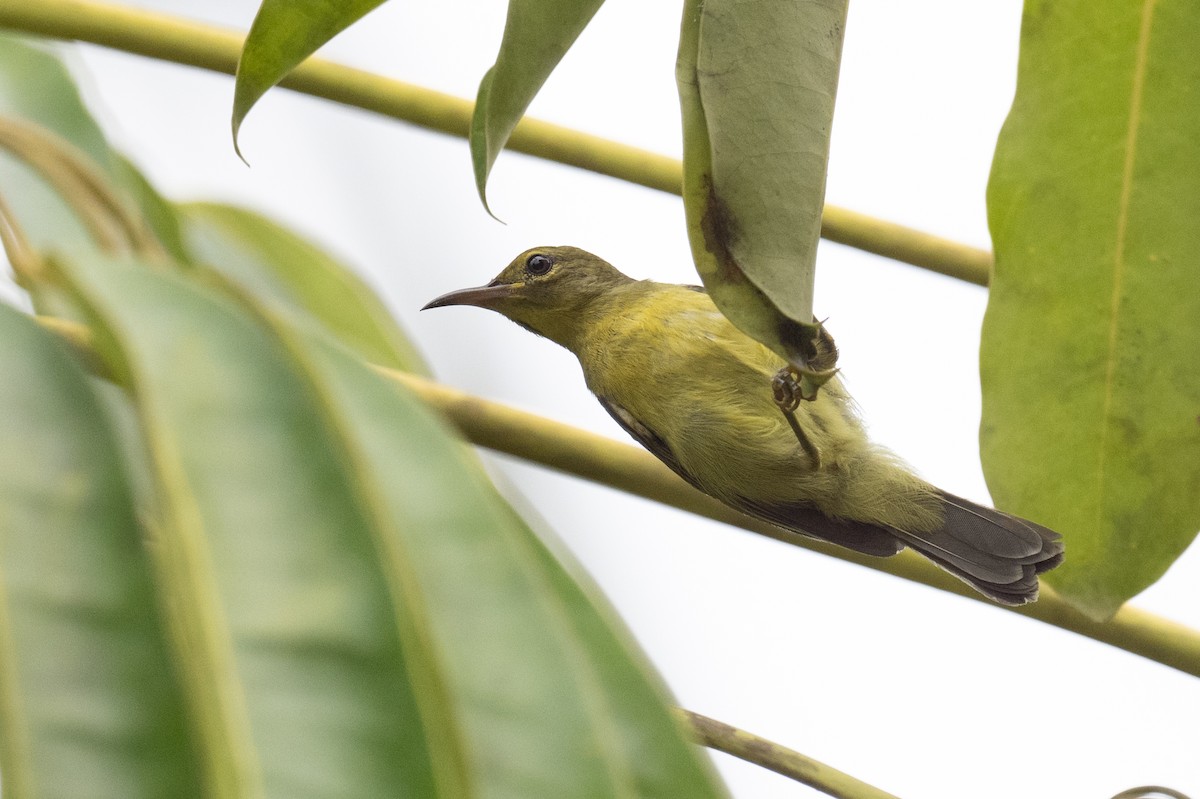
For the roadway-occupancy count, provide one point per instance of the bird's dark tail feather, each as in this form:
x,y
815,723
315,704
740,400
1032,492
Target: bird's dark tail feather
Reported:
x,y
1000,555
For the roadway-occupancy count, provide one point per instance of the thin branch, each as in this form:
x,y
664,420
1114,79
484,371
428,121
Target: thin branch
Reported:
x,y
905,244
1150,792
635,471
185,42
627,468
791,764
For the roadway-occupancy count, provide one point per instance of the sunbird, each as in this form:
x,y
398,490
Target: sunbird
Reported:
x,y
696,392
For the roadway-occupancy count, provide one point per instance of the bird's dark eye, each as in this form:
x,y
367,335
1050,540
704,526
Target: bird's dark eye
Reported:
x,y
538,264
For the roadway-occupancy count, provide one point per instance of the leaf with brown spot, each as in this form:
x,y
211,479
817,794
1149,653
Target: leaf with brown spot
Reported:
x,y
756,86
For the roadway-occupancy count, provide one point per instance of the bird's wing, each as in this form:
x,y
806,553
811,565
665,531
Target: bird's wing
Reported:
x,y
860,536
647,438
864,537
999,554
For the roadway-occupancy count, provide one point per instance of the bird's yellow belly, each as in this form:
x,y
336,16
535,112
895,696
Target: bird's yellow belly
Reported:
x,y
716,413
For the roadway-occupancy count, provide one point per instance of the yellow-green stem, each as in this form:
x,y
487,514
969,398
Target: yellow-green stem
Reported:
x,y
770,755
627,468
185,42
636,471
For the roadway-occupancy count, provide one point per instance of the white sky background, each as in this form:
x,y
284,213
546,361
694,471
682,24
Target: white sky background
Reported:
x,y
920,693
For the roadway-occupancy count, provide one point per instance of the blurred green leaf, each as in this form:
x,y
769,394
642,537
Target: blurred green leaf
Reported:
x,y
551,701
273,263
284,33
36,87
289,629
756,84
158,212
360,613
537,35
91,706
1090,393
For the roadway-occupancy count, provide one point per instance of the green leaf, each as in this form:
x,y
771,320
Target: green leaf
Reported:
x,y
286,622
1090,394
284,33
272,263
551,700
756,86
36,87
537,35
90,703
158,213
363,615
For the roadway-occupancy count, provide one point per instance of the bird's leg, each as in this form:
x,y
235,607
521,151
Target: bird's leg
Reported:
x,y
785,385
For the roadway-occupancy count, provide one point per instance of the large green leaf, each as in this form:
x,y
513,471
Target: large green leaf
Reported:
x,y
537,35
90,703
1090,390
273,263
550,699
284,33
361,614
756,86
286,623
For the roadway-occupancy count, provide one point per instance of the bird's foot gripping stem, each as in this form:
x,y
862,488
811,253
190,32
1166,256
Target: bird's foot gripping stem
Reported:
x,y
785,386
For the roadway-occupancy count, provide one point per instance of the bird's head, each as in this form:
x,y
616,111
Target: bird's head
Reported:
x,y
552,291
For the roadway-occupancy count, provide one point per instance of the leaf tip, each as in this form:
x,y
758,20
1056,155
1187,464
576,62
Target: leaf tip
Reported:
x,y
235,126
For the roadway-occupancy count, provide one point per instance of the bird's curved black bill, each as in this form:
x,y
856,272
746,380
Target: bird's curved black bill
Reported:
x,y
480,296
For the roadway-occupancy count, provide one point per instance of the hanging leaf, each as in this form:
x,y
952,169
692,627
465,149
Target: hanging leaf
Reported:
x,y
1090,396
756,84
91,702
284,33
537,35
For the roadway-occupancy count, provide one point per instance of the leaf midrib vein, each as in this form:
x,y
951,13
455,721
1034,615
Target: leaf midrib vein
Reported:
x,y
1136,97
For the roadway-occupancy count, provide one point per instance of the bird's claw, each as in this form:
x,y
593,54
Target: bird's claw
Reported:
x,y
785,385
